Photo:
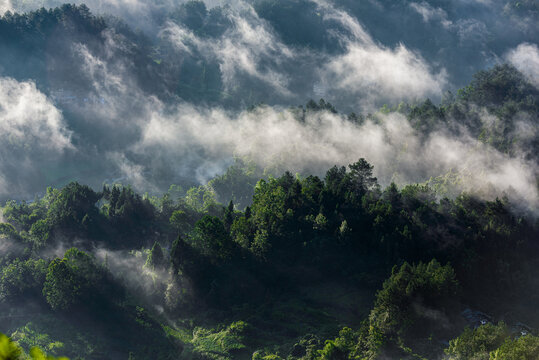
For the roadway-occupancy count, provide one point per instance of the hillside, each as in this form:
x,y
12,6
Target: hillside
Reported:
x,y
267,179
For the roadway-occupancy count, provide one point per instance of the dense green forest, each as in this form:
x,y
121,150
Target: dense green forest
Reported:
x,y
89,274
164,196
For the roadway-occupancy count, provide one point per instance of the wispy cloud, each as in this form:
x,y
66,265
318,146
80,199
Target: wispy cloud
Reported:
x,y
271,136
430,13
249,48
28,118
370,71
5,5
525,57
32,130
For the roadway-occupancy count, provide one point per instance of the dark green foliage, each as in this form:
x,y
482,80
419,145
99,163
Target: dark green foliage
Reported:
x,y
23,215
237,183
361,177
128,209
305,258
227,343
525,347
76,280
156,258
495,87
414,298
427,117
9,350
298,232
501,93
211,239
228,217
351,345
73,209
179,220
477,343
493,342
184,258
20,279
322,105
7,230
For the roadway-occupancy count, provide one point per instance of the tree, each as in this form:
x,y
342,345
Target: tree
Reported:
x,y
9,350
334,180
211,238
71,205
76,280
525,347
241,231
411,292
22,278
361,176
183,258
180,221
477,343
228,217
156,258
61,288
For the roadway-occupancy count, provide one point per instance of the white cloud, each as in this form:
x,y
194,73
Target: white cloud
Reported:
x,y
429,13
275,138
5,5
371,72
142,138
472,30
249,48
378,72
199,141
29,119
365,71
525,57
32,131
128,267
356,31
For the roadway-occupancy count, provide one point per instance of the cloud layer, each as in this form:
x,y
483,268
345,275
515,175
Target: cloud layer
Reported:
x,y
275,137
128,134
32,130
525,58
5,5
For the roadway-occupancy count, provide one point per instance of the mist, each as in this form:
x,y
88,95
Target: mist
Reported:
x,y
163,111
340,53
33,132
162,143
120,128
275,138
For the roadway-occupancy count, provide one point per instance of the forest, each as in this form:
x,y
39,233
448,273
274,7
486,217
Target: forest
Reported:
x,y
164,196
408,267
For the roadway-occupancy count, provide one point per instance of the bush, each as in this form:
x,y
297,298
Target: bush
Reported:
x,y
413,297
477,343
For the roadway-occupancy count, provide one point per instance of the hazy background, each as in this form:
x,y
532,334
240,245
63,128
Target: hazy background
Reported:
x,y
161,92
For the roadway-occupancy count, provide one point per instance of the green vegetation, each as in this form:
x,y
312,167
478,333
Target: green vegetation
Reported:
x,y
11,351
479,342
263,264
218,290
493,342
